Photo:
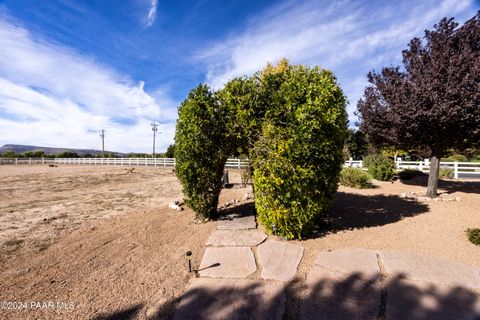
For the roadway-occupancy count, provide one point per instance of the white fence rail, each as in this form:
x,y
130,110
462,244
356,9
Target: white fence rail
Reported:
x,y
156,162
459,168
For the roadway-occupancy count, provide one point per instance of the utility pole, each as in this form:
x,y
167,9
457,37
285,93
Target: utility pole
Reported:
x,y
103,143
154,129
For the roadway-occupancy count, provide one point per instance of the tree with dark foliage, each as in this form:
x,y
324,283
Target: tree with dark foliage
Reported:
x,y
433,102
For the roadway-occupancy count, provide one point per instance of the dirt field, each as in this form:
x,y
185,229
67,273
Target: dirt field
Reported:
x,y
103,242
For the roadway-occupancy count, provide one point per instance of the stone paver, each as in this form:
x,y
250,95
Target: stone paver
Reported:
x,y
343,284
227,262
350,261
430,269
232,299
279,260
243,238
333,295
237,223
417,300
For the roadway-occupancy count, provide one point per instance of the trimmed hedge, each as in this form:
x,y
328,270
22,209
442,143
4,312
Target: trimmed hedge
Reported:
x,y
199,150
355,178
298,158
380,167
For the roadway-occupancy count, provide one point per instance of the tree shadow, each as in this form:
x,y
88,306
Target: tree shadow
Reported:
x,y
125,314
450,186
353,211
244,209
334,296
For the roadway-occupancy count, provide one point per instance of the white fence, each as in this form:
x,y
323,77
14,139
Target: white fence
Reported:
x,y
156,162
459,168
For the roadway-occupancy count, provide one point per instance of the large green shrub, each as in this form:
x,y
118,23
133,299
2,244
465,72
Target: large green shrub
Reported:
x,y
380,167
355,178
199,150
298,158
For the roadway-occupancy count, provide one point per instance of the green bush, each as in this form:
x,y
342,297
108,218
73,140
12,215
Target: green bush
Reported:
x,y
455,157
355,178
408,174
380,167
199,145
446,173
474,236
298,158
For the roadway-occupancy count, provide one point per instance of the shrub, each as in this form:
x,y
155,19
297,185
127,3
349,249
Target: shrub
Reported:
x,y
455,157
298,158
380,167
458,157
408,174
446,173
474,236
355,178
199,152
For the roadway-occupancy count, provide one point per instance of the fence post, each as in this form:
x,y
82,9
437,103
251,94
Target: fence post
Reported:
x,y
455,170
420,166
16,160
361,163
29,160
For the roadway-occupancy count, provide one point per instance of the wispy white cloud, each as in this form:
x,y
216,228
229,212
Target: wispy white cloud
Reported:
x,y
152,13
348,37
52,95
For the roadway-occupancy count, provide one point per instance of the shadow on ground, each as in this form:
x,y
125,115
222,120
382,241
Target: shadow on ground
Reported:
x,y
244,209
450,186
351,211
352,296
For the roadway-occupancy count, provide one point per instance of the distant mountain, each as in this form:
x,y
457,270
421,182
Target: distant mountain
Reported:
x,y
81,152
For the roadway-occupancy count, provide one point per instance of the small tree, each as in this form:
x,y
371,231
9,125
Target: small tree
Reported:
x,y
199,150
356,144
433,103
170,153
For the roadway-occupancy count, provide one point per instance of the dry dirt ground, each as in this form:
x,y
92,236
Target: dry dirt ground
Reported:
x,y
102,243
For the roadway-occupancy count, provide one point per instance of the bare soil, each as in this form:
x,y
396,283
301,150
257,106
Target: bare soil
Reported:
x,y
104,241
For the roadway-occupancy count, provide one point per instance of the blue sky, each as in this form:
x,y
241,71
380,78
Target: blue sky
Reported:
x,y
71,68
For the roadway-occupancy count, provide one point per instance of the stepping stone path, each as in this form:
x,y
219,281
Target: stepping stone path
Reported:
x,y
223,292
341,284
247,238
227,262
279,260
237,222
365,284
235,299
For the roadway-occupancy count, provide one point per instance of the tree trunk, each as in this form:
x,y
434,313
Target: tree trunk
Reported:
x,y
433,177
